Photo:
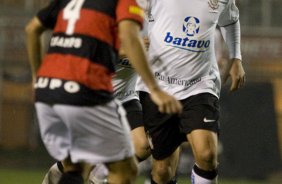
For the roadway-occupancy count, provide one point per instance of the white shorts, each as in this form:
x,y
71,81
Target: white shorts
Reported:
x,y
97,134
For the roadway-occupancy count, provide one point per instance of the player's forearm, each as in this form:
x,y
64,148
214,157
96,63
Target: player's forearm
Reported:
x,y
232,38
34,49
33,34
137,57
135,51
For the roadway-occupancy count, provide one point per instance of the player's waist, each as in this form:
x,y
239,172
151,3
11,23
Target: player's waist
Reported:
x,y
59,91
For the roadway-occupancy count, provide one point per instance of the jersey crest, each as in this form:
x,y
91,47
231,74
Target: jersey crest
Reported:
x,y
191,26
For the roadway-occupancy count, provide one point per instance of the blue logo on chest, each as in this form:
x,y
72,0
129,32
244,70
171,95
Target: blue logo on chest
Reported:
x,y
191,28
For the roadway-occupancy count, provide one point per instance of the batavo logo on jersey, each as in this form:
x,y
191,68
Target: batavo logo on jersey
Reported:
x,y
191,28
52,84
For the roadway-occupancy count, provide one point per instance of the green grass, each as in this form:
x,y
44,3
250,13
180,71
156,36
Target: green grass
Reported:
x,y
9,176
17,176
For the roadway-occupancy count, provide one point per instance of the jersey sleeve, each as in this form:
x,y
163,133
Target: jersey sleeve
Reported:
x,y
129,9
48,15
232,37
230,14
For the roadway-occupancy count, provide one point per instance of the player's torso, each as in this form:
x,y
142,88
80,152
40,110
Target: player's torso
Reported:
x,y
181,49
124,81
81,53
182,34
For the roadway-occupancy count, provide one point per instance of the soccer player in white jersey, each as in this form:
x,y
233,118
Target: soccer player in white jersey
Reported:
x,y
182,57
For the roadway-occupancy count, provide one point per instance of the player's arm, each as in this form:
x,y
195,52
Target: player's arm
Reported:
x,y
134,49
234,69
230,28
33,30
45,19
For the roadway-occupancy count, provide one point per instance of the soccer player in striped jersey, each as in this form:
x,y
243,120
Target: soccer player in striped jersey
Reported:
x,y
81,124
124,90
182,57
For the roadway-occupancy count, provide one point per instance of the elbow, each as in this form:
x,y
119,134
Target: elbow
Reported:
x,y
33,27
30,29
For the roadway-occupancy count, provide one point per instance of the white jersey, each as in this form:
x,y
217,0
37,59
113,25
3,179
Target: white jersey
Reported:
x,y
181,51
124,81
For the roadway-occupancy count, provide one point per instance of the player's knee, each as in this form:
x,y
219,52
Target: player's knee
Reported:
x,y
208,158
163,173
142,152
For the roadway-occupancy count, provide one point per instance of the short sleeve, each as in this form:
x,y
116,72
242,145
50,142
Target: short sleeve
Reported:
x,y
48,15
230,14
129,9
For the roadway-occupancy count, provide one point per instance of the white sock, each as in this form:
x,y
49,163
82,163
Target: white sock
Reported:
x,y
197,179
99,174
53,175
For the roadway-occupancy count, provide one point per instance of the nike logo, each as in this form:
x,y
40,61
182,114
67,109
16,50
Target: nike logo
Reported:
x,y
208,120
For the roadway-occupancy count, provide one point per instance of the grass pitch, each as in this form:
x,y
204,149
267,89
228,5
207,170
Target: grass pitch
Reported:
x,y
31,176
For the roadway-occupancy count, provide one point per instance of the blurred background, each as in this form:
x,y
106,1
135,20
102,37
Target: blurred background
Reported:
x,y
251,123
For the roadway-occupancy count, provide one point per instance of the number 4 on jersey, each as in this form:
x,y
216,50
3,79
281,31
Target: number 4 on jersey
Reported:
x,y
72,14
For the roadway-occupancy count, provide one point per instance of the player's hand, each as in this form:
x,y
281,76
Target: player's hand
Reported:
x,y
165,102
236,72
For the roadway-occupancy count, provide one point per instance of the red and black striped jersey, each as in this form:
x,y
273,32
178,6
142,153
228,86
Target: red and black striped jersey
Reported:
x,y
79,64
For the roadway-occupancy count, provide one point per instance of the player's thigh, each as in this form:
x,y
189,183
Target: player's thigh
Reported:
x,y
200,111
134,113
200,121
122,168
139,137
162,129
203,142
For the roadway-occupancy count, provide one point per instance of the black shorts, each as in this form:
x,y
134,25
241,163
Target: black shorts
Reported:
x,y
134,113
167,132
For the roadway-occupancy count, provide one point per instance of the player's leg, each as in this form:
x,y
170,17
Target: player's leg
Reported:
x,y
74,173
200,121
58,169
135,118
122,172
141,146
100,173
164,139
54,174
204,146
163,171
140,142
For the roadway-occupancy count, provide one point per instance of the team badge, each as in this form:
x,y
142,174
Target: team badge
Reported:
x,y
213,4
191,26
